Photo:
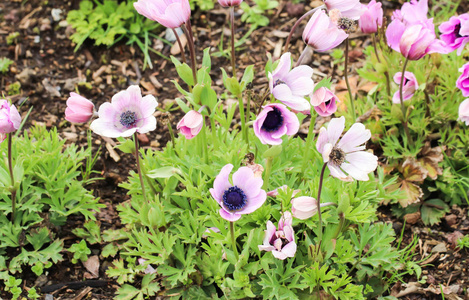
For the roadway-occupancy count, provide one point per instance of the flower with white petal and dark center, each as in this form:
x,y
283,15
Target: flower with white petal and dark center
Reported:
x,y
346,154
127,113
244,196
273,122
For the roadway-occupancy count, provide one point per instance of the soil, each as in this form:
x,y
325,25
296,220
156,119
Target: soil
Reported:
x,y
48,69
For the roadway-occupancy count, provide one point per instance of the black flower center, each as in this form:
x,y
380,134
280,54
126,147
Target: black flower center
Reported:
x,y
234,198
337,156
457,28
273,121
346,24
278,81
128,119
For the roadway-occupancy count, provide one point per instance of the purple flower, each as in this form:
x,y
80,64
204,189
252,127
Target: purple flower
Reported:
x,y
464,111
191,124
463,81
127,113
169,13
351,9
229,3
455,32
324,101
372,18
282,241
273,122
10,119
322,34
244,196
347,154
290,86
79,109
410,86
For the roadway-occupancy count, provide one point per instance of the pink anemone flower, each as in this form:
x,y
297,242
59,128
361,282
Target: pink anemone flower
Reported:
x,y
324,101
273,122
351,9
10,118
463,80
79,109
169,13
455,32
282,241
244,196
127,113
464,111
372,17
191,124
322,34
346,155
410,86
291,86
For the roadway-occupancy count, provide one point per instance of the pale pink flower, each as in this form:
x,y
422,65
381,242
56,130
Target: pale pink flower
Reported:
x,y
304,207
455,32
372,18
347,154
464,111
463,80
413,12
10,119
290,86
322,34
244,196
127,113
229,3
191,124
410,86
79,109
324,101
273,122
169,13
3,136
149,269
351,9
282,241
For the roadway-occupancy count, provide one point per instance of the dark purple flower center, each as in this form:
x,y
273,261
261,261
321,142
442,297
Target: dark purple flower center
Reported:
x,y
282,238
128,119
234,198
279,81
457,28
346,24
337,156
273,121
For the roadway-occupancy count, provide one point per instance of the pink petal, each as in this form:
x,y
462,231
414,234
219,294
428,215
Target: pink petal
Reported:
x,y
221,183
232,217
357,135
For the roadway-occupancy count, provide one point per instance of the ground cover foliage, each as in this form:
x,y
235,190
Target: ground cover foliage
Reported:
x,y
174,241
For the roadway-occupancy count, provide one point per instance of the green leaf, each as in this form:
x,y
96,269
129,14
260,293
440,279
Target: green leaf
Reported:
x,y
433,210
126,145
163,172
206,61
231,84
184,71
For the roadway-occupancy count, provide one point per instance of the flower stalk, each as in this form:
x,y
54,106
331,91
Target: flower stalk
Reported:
x,y
309,139
268,171
139,169
349,89
233,240
321,178
171,133
233,63
12,178
181,48
386,73
401,96
188,31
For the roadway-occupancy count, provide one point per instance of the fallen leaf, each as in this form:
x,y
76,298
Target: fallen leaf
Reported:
x,y
92,265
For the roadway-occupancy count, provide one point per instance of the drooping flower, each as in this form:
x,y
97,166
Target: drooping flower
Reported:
x,y
282,241
322,34
244,196
463,81
409,88
324,101
273,122
351,9
455,32
127,113
372,17
290,86
169,13
304,207
10,119
229,3
464,111
191,124
79,109
347,154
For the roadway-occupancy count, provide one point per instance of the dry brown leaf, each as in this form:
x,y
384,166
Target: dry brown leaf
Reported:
x,y
429,159
92,265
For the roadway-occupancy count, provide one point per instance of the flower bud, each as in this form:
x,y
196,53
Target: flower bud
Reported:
x,y
79,109
372,17
191,124
304,207
10,119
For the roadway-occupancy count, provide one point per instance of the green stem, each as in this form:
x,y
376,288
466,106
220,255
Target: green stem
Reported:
x,y
139,169
171,133
214,132
321,178
268,170
349,89
233,240
386,73
401,97
243,118
203,136
309,138
12,178
233,63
